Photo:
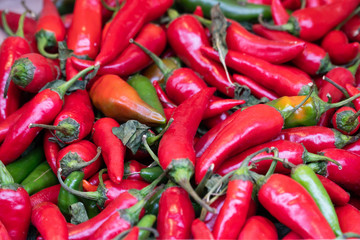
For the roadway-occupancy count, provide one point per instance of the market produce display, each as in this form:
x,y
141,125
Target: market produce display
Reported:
x,y
180,119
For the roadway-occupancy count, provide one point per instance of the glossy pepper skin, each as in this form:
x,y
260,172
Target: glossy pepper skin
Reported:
x,y
252,226
293,206
9,121
176,214
50,28
132,59
313,60
51,150
315,138
85,32
43,217
349,218
353,91
3,232
199,230
276,52
240,134
337,194
186,36
15,205
351,28
280,79
32,71
12,19
49,194
117,99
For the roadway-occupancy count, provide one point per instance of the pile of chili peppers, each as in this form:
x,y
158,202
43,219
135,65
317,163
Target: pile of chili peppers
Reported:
x,y
180,119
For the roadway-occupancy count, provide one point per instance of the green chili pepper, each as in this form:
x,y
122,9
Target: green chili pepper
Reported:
x,y
231,9
304,175
146,91
146,221
41,177
65,199
91,207
22,167
151,173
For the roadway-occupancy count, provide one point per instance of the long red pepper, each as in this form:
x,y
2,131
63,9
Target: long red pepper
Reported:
x,y
311,24
51,150
279,13
11,49
132,170
186,36
127,22
9,121
337,194
42,109
349,218
277,52
84,34
3,232
113,150
43,217
164,99
210,217
280,79
50,28
241,133
292,205
75,120
199,230
316,138
15,206
258,227
313,60
49,194
176,214
132,59
180,158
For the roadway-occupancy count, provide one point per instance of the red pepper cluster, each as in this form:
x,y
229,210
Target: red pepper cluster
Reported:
x,y
186,119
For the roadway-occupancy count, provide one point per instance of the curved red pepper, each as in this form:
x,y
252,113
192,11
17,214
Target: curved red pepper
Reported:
x,y
240,134
43,217
337,45
337,194
132,170
127,22
277,52
199,230
113,150
351,28
50,28
164,99
279,13
258,227
293,206
51,150
49,194
186,36
132,59
349,218
85,32
94,180
353,91
313,60
280,79
82,151
176,214
3,232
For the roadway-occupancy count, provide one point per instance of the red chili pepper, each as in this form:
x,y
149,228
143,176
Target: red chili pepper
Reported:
x,y
279,13
67,21
113,150
85,32
198,11
70,70
256,88
32,71
133,234
240,134
311,24
176,214
43,217
199,230
15,205
132,59
127,22
337,45
348,176
313,60
13,20
346,120
164,99
210,217
3,232
180,158
258,227
349,218
292,236
279,79
51,150
277,52
292,205
211,122
351,28
355,201
95,180
132,170
41,109
337,194
9,121
353,91
186,36
49,194
73,156
315,138
49,29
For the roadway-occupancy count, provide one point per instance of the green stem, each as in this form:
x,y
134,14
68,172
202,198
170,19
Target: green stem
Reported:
x,y
41,44
108,7
288,114
218,184
348,235
353,68
341,103
356,11
5,176
340,88
6,27
172,13
62,129
289,27
20,29
153,139
313,158
201,187
146,190
353,118
148,149
303,4
159,63
206,22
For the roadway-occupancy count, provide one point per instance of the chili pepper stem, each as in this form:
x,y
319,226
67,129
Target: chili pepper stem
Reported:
x,y
107,7
348,235
148,149
288,114
201,187
356,11
353,118
66,130
153,139
353,68
341,103
340,88
284,27
172,13
5,24
204,21
5,176
318,158
41,44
